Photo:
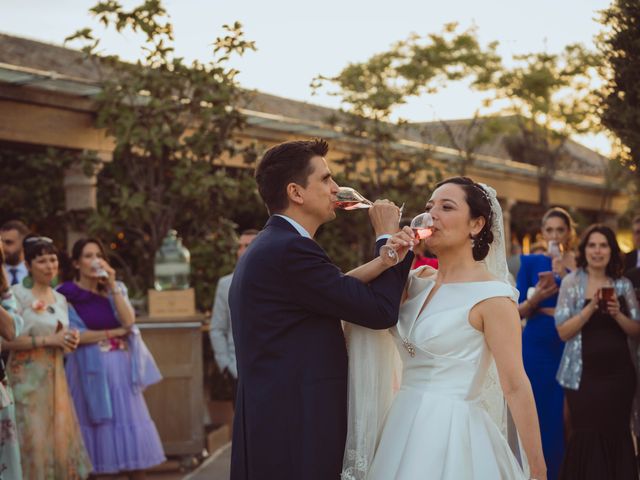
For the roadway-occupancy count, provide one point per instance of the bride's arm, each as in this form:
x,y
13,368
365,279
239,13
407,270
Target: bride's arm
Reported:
x,y
402,241
501,325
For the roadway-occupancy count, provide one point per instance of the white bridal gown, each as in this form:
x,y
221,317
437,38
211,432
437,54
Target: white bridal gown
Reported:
x,y
437,428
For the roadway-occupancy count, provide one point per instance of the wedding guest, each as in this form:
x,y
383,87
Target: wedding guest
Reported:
x,y
50,440
110,369
632,259
13,233
423,257
513,260
10,325
541,346
537,248
597,370
221,335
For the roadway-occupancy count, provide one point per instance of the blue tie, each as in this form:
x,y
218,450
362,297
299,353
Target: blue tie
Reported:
x,y
14,275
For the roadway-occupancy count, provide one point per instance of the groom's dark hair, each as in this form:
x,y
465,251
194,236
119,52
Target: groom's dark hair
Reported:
x,y
283,164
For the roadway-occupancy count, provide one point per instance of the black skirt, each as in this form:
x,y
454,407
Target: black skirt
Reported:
x,y
600,446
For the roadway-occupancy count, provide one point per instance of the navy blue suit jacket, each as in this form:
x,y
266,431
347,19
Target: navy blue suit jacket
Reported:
x,y
287,300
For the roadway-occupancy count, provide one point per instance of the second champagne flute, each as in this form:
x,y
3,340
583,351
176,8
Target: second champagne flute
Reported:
x,y
422,226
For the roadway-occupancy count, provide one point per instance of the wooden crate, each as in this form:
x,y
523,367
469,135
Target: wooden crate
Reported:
x,y
176,404
172,303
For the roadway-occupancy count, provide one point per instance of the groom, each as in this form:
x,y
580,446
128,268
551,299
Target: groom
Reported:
x,y
287,300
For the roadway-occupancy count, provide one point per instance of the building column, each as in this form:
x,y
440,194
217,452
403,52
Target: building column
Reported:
x,y
507,205
80,194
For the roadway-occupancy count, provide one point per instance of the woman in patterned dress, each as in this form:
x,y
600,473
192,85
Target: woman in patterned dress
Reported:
x,y
51,445
10,326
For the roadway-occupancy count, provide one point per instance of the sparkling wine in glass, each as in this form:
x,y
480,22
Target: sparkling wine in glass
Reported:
x,y
422,226
349,199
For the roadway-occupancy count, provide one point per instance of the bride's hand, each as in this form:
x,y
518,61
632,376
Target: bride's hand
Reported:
x,y
401,241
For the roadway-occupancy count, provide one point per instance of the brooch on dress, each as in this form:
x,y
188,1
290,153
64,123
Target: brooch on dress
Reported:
x,y
409,346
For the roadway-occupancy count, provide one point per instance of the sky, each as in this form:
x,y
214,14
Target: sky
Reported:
x,y
298,39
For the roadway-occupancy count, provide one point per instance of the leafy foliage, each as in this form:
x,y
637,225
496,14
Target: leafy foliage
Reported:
x,y
548,97
385,164
620,45
32,188
173,126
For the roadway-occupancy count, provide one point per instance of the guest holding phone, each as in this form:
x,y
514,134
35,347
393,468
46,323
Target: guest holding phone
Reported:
x,y
538,281
51,444
597,313
110,369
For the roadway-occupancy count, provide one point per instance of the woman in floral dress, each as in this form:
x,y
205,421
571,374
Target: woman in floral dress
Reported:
x,y
51,445
10,326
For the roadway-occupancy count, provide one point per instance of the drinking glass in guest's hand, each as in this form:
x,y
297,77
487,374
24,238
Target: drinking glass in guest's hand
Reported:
x,y
607,294
554,249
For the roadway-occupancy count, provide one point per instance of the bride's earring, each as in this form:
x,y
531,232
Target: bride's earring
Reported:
x,y
473,241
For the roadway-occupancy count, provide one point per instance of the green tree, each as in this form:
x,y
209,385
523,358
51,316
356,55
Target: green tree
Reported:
x,y
32,188
620,46
467,136
173,124
383,163
548,97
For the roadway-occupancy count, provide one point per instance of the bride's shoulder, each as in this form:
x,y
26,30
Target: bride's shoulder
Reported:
x,y
418,280
424,272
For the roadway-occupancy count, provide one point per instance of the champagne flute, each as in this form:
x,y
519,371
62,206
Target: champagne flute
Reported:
x,y
349,199
554,249
422,226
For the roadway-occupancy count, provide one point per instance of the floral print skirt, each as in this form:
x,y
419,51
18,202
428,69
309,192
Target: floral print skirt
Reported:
x,y
51,445
10,467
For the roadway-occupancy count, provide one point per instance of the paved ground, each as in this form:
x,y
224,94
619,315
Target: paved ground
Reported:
x,y
216,467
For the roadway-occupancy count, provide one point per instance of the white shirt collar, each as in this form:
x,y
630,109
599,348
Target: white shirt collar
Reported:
x,y
301,230
21,270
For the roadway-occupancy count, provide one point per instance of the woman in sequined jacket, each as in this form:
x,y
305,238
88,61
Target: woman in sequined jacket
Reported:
x,y
596,315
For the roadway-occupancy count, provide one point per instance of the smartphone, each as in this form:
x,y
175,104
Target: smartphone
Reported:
x,y
546,279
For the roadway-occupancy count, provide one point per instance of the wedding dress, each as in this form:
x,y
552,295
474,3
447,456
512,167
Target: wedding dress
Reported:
x,y
437,426
437,412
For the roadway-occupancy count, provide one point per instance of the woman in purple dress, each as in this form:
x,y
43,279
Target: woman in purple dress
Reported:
x,y
110,368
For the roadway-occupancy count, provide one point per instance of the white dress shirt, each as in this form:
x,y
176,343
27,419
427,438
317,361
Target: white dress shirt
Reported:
x,y
20,272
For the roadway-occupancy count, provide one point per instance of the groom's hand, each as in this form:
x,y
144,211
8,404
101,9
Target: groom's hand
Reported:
x,y
385,217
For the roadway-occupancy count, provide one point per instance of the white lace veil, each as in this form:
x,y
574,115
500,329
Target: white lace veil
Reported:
x,y
375,370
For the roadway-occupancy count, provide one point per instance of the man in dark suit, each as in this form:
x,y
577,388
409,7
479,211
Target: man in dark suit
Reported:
x,y
631,259
287,300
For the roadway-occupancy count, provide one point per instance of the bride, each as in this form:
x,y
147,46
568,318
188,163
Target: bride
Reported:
x,y
444,419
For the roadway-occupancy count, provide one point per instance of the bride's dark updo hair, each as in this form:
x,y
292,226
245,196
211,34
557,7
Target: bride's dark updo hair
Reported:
x,y
479,206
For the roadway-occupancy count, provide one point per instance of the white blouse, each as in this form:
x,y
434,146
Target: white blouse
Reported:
x,y
40,321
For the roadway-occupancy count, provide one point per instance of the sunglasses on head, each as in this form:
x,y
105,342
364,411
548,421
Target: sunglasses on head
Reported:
x,y
38,240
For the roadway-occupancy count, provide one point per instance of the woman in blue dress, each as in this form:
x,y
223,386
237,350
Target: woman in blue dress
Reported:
x,y
541,345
